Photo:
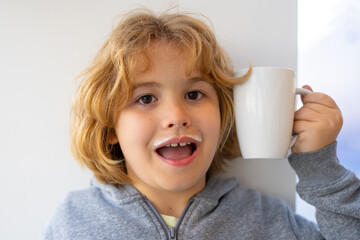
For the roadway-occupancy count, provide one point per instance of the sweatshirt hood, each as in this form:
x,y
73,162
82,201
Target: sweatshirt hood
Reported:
x,y
216,187
119,194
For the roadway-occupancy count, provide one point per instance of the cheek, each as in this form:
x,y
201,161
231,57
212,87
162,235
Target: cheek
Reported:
x,y
210,123
133,131
215,126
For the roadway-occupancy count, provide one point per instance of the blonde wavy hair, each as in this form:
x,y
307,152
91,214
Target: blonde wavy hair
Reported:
x,y
106,87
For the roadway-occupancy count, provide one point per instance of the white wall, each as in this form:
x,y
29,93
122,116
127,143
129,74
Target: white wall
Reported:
x,y
45,44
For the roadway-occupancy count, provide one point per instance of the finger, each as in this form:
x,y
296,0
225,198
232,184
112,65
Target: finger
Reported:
x,y
307,87
310,120
322,109
320,98
307,114
301,126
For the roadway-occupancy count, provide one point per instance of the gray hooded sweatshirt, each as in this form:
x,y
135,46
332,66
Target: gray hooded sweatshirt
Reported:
x,y
223,210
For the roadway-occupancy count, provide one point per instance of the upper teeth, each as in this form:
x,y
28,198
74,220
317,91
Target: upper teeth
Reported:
x,y
182,144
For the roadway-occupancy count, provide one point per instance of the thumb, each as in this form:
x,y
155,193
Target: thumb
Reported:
x,y
308,88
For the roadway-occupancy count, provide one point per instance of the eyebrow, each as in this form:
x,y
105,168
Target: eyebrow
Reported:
x,y
197,79
148,84
158,85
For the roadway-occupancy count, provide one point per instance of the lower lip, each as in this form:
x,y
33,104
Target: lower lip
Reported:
x,y
179,163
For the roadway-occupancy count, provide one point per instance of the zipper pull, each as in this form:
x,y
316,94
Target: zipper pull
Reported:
x,y
172,233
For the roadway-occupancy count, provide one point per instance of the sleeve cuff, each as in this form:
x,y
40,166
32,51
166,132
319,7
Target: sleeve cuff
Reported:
x,y
318,167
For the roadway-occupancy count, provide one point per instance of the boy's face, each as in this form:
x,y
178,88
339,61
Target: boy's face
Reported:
x,y
170,129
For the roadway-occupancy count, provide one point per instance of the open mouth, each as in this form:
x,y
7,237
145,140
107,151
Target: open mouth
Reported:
x,y
177,151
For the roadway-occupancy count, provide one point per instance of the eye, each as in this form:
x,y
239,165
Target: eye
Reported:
x,y
146,99
194,95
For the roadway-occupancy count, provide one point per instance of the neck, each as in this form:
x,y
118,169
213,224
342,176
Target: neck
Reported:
x,y
171,203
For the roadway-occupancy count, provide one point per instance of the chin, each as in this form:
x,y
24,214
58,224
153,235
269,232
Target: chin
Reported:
x,y
183,184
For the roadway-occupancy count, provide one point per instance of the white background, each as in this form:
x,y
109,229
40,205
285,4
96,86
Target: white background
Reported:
x,y
45,44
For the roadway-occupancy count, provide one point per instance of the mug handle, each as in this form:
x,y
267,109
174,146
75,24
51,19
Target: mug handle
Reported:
x,y
303,92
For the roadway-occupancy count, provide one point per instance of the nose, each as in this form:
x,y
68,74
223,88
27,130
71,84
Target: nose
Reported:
x,y
176,115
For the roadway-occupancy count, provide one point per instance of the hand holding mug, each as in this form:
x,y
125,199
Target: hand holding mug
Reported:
x,y
318,122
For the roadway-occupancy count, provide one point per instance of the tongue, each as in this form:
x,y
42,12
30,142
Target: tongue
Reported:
x,y
175,153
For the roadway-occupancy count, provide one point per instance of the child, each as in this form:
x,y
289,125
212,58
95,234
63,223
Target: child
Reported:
x,y
153,119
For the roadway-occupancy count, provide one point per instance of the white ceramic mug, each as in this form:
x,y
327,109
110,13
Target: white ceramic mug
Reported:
x,y
264,112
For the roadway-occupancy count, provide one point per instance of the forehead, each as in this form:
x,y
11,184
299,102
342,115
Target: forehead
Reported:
x,y
159,51
163,56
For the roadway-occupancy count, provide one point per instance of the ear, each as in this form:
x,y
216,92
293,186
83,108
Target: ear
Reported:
x,y
113,138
